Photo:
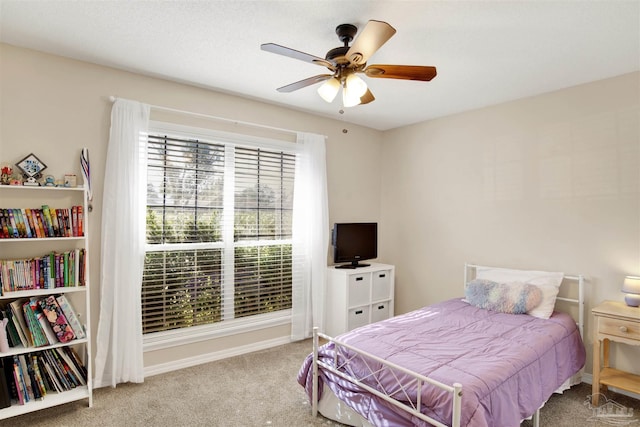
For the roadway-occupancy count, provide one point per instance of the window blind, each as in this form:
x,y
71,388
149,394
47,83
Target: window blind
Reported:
x,y
194,274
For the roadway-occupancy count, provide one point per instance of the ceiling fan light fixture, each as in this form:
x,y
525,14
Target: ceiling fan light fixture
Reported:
x,y
329,89
355,85
349,97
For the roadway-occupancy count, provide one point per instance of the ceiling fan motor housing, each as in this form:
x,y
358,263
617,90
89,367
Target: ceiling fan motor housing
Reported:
x,y
346,33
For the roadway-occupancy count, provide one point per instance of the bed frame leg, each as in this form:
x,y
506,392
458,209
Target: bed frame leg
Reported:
x,y
536,418
457,405
314,391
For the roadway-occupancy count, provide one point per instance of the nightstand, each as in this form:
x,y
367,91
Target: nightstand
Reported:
x,y
614,321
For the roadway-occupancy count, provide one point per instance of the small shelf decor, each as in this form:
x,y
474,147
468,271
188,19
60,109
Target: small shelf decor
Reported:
x,y
31,168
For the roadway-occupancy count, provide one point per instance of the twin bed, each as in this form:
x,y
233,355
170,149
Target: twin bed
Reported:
x,y
492,358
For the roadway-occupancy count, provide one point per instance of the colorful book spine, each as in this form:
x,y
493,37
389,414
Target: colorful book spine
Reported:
x,y
47,220
80,220
14,228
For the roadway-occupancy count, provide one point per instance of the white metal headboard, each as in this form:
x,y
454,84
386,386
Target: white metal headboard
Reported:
x,y
579,279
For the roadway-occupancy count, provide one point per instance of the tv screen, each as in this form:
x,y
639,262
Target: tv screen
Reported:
x,y
354,242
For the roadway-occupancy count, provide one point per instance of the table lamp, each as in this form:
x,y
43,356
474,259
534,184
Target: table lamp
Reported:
x,y
631,287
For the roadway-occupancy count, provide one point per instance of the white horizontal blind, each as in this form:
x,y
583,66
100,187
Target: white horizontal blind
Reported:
x,y
184,282
262,214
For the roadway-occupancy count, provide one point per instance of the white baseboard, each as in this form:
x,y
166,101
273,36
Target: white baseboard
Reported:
x,y
211,357
588,378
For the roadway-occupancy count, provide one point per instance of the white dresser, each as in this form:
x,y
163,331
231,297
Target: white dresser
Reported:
x,y
356,297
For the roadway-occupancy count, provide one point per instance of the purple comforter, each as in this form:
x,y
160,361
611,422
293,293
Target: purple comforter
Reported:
x,y
508,364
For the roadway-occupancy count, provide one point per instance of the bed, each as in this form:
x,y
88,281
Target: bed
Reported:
x,y
492,358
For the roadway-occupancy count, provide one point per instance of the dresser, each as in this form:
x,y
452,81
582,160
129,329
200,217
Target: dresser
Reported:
x,y
357,297
614,321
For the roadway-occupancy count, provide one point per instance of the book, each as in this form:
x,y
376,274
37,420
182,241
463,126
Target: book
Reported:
x,y
5,396
14,228
20,322
80,220
25,383
19,381
29,380
75,357
41,222
71,315
66,217
50,373
71,367
43,321
37,334
54,222
39,376
22,224
57,319
47,220
29,216
59,371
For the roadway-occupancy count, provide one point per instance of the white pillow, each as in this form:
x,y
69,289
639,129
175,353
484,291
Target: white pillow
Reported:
x,y
548,282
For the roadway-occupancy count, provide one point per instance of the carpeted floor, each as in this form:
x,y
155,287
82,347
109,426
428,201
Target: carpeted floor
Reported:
x,y
257,389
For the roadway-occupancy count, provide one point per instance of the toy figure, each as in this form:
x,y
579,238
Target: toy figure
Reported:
x,y
5,178
49,181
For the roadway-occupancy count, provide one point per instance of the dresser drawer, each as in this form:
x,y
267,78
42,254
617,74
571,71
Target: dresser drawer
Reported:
x,y
619,328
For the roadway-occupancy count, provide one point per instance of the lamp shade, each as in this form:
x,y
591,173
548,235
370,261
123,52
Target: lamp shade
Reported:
x,y
329,89
354,88
631,286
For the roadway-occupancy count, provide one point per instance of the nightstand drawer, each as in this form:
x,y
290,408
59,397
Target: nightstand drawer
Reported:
x,y
619,328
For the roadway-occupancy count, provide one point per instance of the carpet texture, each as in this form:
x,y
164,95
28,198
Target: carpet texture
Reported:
x,y
257,389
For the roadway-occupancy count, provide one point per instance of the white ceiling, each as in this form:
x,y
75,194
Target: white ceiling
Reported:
x,y
485,52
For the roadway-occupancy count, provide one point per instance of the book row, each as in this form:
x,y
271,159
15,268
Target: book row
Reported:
x,y
40,223
28,377
54,270
41,321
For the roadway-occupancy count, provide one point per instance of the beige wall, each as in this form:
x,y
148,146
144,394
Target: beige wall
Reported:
x,y
53,107
549,182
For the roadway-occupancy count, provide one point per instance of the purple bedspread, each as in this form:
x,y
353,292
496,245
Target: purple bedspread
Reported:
x,y
508,364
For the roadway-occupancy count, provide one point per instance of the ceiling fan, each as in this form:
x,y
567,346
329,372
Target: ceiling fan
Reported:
x,y
345,62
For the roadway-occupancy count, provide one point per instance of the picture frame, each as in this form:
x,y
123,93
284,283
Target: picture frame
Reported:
x,y
31,166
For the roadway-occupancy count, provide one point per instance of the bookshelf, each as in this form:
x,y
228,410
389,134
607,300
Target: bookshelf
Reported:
x,y
67,250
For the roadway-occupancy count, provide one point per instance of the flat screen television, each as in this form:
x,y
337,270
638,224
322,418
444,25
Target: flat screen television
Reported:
x,y
354,242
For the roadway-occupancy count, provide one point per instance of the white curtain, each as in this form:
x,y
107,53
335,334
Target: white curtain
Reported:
x,y
119,337
310,230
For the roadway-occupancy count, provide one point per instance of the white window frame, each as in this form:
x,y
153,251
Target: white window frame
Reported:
x,y
177,337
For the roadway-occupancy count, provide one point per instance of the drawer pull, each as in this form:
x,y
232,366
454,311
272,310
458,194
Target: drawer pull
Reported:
x,y
382,275
380,307
359,279
358,311
623,329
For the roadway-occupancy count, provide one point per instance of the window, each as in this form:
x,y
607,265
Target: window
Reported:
x,y
218,230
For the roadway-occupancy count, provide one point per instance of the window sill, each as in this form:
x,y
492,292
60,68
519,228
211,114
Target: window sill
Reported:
x,y
168,339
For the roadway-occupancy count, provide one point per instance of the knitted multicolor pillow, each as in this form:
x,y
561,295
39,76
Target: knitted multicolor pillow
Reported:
x,y
514,297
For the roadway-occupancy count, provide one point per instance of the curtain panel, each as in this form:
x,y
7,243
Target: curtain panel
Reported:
x,y
119,351
310,229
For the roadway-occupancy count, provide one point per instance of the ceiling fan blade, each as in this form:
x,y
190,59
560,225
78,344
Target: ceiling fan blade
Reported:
x,y
296,54
374,35
367,98
404,72
304,83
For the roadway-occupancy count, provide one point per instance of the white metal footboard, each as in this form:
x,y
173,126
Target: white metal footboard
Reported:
x,y
411,406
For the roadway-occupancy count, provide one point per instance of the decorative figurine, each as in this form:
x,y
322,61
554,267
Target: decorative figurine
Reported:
x,y
49,181
5,178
